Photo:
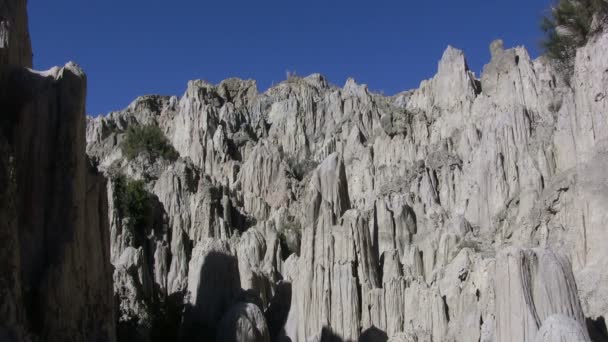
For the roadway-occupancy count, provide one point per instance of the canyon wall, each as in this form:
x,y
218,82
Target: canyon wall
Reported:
x,y
469,209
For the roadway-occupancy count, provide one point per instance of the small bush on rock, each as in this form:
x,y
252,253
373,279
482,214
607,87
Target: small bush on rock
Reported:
x,y
147,139
132,201
568,27
301,168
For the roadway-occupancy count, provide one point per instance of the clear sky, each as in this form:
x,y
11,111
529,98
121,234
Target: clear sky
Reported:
x,y
135,47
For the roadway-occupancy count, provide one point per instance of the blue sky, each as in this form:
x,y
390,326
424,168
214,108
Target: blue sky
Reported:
x,y
135,47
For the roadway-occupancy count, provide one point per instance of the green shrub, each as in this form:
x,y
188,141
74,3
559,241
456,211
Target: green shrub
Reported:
x,y
568,27
133,201
147,139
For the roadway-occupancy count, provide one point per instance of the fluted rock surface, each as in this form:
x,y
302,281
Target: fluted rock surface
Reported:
x,y
560,328
469,209
531,286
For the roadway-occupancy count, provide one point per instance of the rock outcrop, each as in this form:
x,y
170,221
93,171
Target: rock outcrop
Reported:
x,y
469,209
56,282
531,287
561,328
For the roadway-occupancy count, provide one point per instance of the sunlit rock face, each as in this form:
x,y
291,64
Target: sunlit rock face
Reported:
x,y
469,209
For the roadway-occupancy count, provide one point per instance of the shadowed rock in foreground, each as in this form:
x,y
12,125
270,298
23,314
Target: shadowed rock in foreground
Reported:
x,y
56,282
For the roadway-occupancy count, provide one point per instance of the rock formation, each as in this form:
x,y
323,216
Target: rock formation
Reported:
x,y
56,282
469,209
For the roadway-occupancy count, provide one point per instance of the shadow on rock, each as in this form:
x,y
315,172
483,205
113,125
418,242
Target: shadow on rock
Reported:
x,y
214,293
597,329
167,319
373,334
327,335
278,310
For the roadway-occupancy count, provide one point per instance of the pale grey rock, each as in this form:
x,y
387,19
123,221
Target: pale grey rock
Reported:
x,y
531,286
396,224
402,209
425,311
561,328
359,159
580,126
333,256
394,286
264,181
451,92
251,251
196,121
290,267
132,283
401,337
329,186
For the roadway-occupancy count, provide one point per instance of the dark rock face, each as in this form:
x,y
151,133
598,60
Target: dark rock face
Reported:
x,y
56,281
15,46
